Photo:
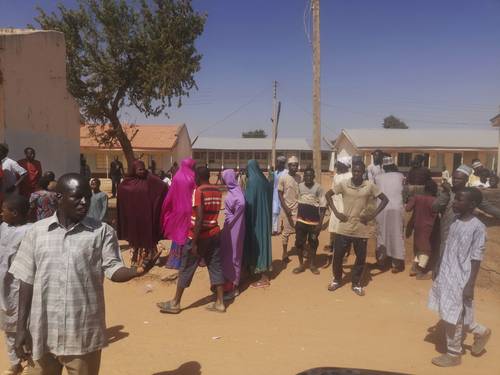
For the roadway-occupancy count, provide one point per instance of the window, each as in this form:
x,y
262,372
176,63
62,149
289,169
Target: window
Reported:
x,y
404,159
261,155
211,157
306,156
426,160
230,155
325,156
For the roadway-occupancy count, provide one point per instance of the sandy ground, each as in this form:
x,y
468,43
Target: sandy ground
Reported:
x,y
294,325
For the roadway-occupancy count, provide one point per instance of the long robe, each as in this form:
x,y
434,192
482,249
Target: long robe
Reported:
x,y
390,221
30,183
139,204
276,199
233,233
257,254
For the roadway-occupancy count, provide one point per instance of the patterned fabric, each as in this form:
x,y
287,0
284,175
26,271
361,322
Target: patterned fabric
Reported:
x,y
44,203
466,242
174,256
66,268
210,198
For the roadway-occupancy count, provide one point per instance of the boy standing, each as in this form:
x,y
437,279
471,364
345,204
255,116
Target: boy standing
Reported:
x,y
99,201
15,210
310,214
452,292
203,243
353,227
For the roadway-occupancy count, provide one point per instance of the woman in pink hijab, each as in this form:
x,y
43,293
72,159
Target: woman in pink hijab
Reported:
x,y
176,211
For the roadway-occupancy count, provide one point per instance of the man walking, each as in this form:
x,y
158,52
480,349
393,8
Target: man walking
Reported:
x,y
276,175
116,174
61,265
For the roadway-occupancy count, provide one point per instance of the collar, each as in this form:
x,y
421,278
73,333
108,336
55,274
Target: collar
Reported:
x,y
351,185
53,222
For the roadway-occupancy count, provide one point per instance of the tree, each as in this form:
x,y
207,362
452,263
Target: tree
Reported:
x,y
392,122
127,54
258,133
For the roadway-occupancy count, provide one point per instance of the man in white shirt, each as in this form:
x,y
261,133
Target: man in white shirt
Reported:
x,y
11,171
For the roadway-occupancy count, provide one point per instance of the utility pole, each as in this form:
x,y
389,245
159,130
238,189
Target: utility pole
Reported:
x,y
316,91
274,120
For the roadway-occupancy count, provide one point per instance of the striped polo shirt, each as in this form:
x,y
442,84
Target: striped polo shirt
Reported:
x,y
210,198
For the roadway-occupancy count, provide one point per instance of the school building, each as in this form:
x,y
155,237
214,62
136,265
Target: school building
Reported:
x,y
219,153
163,144
443,148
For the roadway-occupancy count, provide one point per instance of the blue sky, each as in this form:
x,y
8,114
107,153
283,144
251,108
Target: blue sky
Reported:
x,y
433,63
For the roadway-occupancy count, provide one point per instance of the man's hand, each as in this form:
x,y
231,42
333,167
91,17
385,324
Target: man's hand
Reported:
x,y
318,228
365,219
23,344
342,217
468,292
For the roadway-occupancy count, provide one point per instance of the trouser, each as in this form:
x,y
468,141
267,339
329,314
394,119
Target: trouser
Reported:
x,y
288,230
306,233
342,245
49,364
10,339
209,250
276,223
456,333
115,181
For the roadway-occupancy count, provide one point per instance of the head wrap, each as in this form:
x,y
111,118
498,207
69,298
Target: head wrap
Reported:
x,y
346,160
292,160
387,161
477,164
281,158
465,169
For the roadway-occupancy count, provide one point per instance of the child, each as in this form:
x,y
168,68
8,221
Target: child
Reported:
x,y
452,292
99,201
15,210
310,214
422,223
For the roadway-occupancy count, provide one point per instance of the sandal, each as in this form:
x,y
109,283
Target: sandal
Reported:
x,y
167,308
299,269
213,308
260,284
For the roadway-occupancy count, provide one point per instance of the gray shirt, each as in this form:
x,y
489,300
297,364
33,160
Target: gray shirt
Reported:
x,y
66,268
98,206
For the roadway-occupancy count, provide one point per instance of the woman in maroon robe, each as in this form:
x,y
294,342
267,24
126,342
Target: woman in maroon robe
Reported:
x,y
139,202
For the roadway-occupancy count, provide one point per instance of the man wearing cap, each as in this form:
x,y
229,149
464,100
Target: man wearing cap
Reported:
x,y
478,167
11,171
444,203
288,191
375,168
280,171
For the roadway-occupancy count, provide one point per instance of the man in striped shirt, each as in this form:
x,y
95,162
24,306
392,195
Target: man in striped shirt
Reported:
x,y
203,243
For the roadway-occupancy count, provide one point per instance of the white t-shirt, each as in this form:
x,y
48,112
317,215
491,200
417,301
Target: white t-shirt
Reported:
x,y
10,169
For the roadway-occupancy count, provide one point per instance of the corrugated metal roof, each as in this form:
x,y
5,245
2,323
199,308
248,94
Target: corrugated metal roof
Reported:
x,y
423,138
250,144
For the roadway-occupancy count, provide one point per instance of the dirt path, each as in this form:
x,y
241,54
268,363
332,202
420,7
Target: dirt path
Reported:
x,y
293,326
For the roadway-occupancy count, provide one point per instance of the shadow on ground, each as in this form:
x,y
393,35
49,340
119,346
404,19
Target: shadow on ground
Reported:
x,y
188,368
116,333
347,371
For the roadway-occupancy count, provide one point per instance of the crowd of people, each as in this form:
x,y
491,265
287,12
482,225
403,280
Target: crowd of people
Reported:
x,y
56,246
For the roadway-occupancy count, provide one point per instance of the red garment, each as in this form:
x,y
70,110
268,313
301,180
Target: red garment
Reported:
x,y
139,204
30,183
424,222
210,198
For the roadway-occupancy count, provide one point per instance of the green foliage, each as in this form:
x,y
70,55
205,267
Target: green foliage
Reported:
x,y
392,122
127,54
258,133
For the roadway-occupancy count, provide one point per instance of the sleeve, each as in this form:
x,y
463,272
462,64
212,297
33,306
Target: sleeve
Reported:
x,y
489,208
478,244
197,198
281,184
111,256
338,188
321,197
24,265
18,169
375,191
441,202
104,206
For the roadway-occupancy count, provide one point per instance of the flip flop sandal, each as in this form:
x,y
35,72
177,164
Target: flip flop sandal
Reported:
x,y
213,308
166,308
260,284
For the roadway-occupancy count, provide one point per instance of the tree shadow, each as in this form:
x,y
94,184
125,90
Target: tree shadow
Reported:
x,y
347,371
188,368
116,333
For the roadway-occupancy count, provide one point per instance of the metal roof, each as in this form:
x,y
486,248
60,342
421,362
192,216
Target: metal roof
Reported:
x,y
422,138
251,144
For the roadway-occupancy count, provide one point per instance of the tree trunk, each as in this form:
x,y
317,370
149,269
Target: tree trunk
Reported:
x,y
125,143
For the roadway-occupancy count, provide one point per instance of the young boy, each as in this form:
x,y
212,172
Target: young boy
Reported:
x,y
423,220
310,214
15,210
452,292
353,228
99,201
203,244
